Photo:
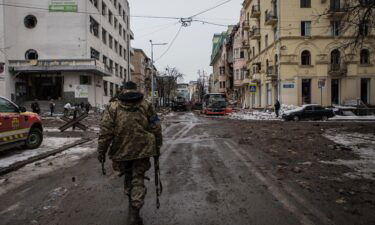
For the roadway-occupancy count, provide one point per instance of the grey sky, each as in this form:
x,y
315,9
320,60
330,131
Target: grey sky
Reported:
x,y
192,49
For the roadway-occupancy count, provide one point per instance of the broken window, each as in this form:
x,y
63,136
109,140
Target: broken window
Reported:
x,y
94,27
95,54
30,21
31,54
85,80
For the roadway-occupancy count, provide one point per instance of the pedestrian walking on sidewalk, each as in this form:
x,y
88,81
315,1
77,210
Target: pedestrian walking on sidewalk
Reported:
x,y
277,108
130,126
52,107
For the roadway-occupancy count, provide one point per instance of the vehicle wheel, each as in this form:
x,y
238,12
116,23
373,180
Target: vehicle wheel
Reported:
x,y
296,118
35,138
325,118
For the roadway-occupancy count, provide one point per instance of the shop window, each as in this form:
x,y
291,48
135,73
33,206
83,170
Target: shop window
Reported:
x,y
30,21
306,58
84,80
31,54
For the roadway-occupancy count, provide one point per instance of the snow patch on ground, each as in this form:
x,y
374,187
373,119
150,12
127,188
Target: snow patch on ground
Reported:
x,y
49,144
32,171
337,117
363,145
253,115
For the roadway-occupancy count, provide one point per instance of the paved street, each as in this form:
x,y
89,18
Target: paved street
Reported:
x,y
211,175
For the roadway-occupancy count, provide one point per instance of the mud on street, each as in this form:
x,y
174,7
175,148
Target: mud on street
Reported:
x,y
215,171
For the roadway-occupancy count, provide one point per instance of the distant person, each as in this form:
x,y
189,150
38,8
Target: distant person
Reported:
x,y
277,108
35,107
52,107
82,105
67,108
88,107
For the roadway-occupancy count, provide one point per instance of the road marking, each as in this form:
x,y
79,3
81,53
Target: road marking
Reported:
x,y
277,192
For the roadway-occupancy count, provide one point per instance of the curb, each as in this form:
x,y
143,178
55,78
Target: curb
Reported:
x,y
23,163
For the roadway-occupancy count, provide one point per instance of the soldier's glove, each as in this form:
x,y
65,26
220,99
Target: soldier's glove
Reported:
x,y
101,158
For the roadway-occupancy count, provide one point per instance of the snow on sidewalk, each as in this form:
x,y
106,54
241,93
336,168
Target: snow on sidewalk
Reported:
x,y
363,118
361,144
253,115
49,144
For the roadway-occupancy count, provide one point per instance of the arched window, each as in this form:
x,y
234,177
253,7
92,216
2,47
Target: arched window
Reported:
x,y
365,57
335,57
306,58
31,54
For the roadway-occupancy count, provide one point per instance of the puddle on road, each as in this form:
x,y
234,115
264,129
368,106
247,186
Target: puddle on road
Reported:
x,y
361,144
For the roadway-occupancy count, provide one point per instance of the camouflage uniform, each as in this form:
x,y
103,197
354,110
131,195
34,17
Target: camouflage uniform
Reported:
x,y
131,132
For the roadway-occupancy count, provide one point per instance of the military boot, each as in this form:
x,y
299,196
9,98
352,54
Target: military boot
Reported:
x,y
135,218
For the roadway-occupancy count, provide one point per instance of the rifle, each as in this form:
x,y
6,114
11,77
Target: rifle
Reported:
x,y
158,184
103,168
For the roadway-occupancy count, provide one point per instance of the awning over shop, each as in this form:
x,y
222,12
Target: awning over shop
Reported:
x,y
59,65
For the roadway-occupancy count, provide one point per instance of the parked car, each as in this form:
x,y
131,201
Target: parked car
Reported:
x,y
18,127
308,112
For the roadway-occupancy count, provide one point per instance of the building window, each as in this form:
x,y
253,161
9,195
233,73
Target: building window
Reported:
x,y
116,69
306,58
84,80
120,30
115,3
111,65
121,71
110,39
95,3
335,28
110,16
120,50
116,46
119,9
124,34
222,70
31,54
104,36
116,22
105,62
365,57
104,9
111,89
335,57
105,87
363,28
95,54
94,27
30,21
125,54
266,40
306,28
305,3
242,54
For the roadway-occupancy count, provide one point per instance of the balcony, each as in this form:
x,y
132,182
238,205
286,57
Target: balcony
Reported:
x,y
272,72
271,18
339,69
256,78
255,11
246,25
336,11
245,45
254,33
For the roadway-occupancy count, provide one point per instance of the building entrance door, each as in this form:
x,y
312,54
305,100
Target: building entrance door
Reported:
x,y
306,91
44,87
365,90
335,91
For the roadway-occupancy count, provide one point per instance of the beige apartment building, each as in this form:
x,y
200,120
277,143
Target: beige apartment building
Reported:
x,y
299,59
142,71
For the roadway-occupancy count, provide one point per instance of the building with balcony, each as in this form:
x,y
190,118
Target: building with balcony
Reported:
x,y
298,59
142,71
53,52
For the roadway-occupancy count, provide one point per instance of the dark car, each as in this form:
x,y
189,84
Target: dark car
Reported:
x,y
179,104
308,112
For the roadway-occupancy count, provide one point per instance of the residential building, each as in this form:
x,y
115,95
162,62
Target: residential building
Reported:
x,y
221,61
193,91
51,51
142,71
299,59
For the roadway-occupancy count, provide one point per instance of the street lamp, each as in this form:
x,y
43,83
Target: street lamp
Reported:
x,y
152,69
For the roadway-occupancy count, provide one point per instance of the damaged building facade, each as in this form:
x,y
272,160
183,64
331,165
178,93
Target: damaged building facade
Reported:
x,y
67,50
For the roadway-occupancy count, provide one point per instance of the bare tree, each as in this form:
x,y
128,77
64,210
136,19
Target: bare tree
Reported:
x,y
167,84
356,21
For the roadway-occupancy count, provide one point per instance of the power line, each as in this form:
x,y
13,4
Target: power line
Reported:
x,y
209,9
171,44
159,29
211,23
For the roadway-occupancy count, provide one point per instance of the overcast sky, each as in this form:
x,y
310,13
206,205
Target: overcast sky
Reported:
x,y
192,49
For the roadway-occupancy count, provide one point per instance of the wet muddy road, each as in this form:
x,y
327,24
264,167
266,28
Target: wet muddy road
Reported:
x,y
208,179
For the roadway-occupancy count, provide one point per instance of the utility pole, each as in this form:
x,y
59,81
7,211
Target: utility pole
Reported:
x,y
153,71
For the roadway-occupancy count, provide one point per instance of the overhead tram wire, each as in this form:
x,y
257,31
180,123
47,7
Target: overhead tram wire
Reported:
x,y
209,9
171,44
165,27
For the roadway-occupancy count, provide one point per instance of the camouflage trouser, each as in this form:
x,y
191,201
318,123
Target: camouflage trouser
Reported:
x,y
134,180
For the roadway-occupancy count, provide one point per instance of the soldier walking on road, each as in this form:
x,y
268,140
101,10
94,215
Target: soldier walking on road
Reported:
x,y
131,128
